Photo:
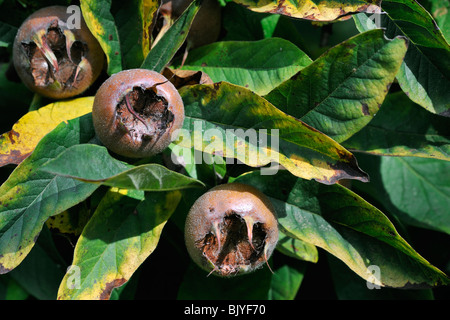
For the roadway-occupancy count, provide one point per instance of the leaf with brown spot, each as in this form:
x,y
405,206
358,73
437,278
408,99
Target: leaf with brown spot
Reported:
x,y
403,128
102,25
165,49
30,196
339,221
425,73
18,143
122,233
239,124
134,22
341,91
321,10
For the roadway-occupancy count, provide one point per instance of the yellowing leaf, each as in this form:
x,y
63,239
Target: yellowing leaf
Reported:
x,y
322,10
69,221
101,23
18,143
149,10
121,234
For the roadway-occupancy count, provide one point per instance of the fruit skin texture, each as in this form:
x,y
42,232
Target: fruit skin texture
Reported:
x,y
89,63
253,220
125,134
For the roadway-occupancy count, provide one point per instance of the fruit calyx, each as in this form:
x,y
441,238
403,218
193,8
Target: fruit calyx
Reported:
x,y
234,244
231,229
143,114
56,58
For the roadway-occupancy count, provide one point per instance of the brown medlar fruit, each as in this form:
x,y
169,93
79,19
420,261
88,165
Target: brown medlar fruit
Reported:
x,y
231,229
54,60
137,112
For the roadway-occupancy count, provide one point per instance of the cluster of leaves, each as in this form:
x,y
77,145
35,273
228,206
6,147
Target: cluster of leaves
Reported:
x,y
372,104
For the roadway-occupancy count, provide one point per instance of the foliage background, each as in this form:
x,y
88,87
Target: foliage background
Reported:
x,y
39,276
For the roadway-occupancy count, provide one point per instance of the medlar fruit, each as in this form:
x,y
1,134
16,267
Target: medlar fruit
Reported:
x,y
231,229
54,60
137,112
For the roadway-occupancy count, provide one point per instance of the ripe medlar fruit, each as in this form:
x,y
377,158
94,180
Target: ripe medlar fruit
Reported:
x,y
53,60
231,229
137,112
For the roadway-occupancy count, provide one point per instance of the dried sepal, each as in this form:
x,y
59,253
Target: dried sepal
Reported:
x,y
231,229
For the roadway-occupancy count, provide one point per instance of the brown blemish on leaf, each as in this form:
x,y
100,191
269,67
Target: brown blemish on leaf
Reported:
x,y
280,9
12,134
365,109
346,168
106,294
3,270
14,157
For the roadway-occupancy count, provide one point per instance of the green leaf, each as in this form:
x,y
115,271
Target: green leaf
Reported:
x,y
419,187
121,234
339,221
241,24
7,34
321,10
134,21
217,115
402,128
42,270
297,249
30,196
257,65
424,75
13,94
439,9
209,172
377,192
11,290
101,23
286,281
93,163
340,92
348,286
20,141
173,39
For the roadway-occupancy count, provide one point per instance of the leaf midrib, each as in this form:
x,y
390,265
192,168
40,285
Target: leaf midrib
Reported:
x,y
414,44
346,79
